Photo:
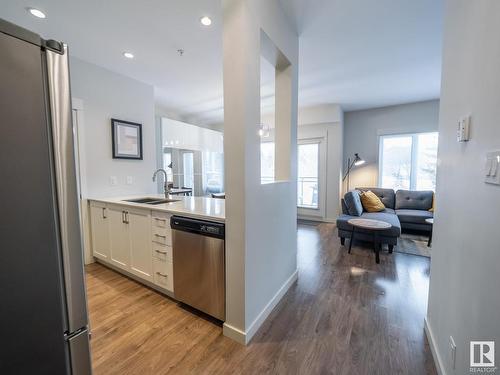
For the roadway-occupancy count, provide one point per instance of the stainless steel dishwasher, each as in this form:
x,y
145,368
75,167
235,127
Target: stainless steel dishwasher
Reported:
x,y
199,264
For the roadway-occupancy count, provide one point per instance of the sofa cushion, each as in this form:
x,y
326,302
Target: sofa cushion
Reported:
x,y
370,202
414,200
353,203
344,207
387,196
413,216
386,215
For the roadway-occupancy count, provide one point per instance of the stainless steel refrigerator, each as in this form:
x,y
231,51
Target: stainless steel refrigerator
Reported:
x,y
43,309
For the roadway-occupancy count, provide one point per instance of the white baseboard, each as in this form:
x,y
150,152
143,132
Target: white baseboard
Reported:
x,y
245,337
317,219
234,333
432,343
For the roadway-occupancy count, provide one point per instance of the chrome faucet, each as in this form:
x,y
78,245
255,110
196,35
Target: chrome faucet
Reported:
x,y
166,189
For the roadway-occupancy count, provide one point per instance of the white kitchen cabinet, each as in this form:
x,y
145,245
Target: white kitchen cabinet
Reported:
x,y
135,240
99,228
162,252
139,223
161,232
119,239
163,274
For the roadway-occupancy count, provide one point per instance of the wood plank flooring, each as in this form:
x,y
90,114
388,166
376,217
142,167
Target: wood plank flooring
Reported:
x,y
345,315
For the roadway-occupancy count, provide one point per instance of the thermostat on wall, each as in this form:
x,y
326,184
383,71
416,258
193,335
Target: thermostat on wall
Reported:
x,y
492,168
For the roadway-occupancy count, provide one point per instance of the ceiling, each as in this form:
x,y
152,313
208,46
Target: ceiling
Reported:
x,y
357,53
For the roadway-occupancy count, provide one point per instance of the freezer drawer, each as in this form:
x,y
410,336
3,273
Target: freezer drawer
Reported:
x,y
79,351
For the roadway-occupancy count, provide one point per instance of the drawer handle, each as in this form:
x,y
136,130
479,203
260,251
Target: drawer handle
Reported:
x,y
161,274
161,252
163,220
158,235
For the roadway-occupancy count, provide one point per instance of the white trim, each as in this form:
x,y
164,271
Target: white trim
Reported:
x,y
319,211
316,219
432,343
252,329
245,337
234,333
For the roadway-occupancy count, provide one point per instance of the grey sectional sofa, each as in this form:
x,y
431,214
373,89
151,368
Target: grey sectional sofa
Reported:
x,y
404,209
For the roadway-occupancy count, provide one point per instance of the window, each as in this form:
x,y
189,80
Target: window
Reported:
x,y
213,172
308,173
408,161
188,168
266,162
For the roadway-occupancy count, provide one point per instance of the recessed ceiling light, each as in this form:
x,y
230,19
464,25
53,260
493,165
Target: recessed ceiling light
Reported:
x,y
205,21
36,12
128,55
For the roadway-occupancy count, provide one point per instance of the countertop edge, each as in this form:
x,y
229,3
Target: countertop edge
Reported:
x,y
159,208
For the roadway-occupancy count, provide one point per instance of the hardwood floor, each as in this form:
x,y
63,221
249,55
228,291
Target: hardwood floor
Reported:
x,y
345,315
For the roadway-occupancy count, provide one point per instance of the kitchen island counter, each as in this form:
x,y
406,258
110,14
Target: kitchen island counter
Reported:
x,y
204,208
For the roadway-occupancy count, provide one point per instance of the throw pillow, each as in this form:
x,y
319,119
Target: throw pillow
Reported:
x,y
371,203
353,202
433,200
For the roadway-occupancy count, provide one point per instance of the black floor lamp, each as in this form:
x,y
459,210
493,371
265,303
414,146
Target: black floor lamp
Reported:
x,y
357,161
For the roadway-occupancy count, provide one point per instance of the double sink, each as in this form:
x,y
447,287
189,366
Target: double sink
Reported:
x,y
152,201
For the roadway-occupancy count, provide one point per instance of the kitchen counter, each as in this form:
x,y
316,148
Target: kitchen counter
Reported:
x,y
197,207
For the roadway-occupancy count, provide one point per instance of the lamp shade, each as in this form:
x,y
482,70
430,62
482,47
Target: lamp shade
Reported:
x,y
358,160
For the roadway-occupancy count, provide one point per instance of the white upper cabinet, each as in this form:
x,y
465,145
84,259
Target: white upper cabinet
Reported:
x,y
177,134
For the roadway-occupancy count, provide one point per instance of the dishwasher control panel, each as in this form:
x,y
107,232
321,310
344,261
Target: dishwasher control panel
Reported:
x,y
202,227
210,229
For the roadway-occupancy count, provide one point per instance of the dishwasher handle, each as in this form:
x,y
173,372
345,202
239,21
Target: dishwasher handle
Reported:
x,y
201,227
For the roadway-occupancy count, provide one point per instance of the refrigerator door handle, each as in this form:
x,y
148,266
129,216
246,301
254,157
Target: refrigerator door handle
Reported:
x,y
68,205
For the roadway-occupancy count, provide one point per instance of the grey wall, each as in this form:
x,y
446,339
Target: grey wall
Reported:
x,y
464,300
363,128
107,95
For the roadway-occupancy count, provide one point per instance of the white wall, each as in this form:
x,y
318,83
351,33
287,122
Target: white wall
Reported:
x,y
261,242
107,95
363,128
464,301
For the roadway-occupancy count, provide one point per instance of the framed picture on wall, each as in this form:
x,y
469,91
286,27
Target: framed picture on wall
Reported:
x,y
127,139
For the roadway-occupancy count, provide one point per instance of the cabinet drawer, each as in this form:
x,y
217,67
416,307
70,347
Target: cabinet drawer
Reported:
x,y
162,236
163,274
162,252
161,219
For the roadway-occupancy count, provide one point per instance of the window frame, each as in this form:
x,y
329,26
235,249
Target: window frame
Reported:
x,y
414,153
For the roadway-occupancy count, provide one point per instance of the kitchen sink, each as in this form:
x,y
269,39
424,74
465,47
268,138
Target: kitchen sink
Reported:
x,y
153,201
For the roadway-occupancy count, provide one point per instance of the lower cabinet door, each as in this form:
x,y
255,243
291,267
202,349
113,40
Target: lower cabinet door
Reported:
x,y
99,229
141,260
119,241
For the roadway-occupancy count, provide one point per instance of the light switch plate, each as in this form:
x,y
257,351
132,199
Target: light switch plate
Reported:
x,y
113,180
463,129
492,168
130,180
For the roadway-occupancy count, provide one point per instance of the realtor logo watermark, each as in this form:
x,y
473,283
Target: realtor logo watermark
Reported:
x,y
482,356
